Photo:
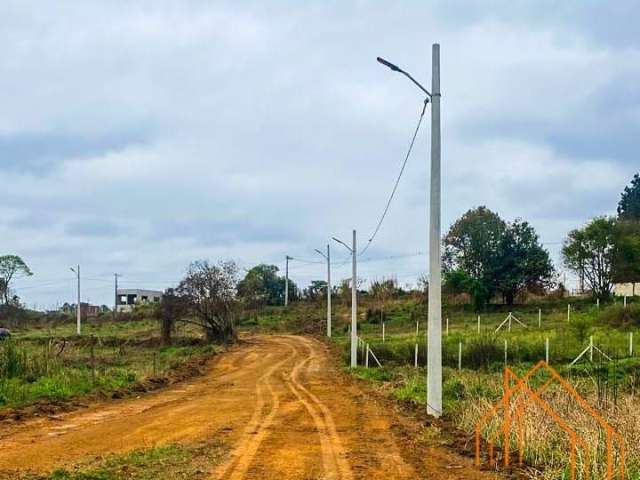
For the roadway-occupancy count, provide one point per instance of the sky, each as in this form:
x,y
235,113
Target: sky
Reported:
x,y
136,137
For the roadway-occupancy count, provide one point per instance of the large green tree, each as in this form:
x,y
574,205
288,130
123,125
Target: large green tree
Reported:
x,y
626,256
484,255
590,251
10,266
629,205
263,286
523,263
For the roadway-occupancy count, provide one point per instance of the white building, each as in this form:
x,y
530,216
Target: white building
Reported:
x,y
626,289
128,298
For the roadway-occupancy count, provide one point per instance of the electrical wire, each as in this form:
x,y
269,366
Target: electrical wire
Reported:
x,y
397,182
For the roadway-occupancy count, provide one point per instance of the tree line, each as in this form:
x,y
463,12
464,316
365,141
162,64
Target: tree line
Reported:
x,y
484,257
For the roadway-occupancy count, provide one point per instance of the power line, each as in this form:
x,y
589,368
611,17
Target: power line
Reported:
x,y
397,182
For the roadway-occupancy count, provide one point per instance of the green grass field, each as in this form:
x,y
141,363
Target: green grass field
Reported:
x,y
53,364
613,387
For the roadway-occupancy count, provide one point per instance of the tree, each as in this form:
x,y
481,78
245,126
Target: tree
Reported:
x,y
210,293
590,251
629,205
626,256
523,263
485,255
315,290
473,241
172,308
262,286
11,265
383,291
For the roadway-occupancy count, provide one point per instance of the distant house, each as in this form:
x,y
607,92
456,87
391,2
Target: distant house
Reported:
x,y
88,311
626,289
130,297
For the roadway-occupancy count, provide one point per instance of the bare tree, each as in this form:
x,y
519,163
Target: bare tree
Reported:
x,y
210,291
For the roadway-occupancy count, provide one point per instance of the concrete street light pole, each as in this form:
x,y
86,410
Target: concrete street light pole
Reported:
x,y
434,332
78,307
354,299
354,304
115,298
328,258
434,321
286,283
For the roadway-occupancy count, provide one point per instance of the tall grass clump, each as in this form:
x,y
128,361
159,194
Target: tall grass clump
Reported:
x,y
620,316
482,351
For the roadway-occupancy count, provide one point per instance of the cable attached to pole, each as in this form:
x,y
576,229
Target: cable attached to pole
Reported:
x,y
395,186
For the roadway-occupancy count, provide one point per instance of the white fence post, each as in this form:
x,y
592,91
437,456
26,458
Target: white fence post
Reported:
x,y
568,312
546,350
591,348
539,318
625,301
598,303
366,361
506,350
415,358
478,324
460,355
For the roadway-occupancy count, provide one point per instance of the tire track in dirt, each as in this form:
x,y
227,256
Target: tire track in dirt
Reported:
x,y
281,406
244,453
333,456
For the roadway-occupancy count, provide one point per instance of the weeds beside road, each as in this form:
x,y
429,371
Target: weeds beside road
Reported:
x,y
50,365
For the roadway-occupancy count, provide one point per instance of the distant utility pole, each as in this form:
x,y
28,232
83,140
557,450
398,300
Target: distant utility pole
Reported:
x,y
434,332
286,283
354,299
328,257
78,307
115,300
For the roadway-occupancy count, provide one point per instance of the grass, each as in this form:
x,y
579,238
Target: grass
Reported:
x,y
47,364
176,461
611,387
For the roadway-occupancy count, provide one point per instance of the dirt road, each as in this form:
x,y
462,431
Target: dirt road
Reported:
x,y
278,402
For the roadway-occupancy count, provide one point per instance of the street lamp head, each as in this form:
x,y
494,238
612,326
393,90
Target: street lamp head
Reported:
x,y
388,64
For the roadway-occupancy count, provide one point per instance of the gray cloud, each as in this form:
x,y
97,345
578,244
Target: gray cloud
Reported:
x,y
136,140
39,153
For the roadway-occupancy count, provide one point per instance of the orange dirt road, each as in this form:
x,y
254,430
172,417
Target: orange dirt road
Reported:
x,y
278,402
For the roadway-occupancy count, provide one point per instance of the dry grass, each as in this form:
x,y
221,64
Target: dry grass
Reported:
x,y
546,444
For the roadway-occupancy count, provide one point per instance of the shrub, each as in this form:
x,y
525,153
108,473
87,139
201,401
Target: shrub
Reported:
x,y
581,328
482,351
619,316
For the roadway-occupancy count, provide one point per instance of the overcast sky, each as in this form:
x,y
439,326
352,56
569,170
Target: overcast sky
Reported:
x,y
137,138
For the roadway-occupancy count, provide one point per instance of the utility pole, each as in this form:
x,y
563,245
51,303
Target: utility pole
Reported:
x,y
328,258
328,291
354,299
434,321
286,283
115,299
434,340
78,307
354,305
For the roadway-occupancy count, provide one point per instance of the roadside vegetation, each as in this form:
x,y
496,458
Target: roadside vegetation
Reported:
x,y
50,364
178,461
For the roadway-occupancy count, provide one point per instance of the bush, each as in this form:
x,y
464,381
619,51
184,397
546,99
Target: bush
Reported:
x,y
619,316
581,328
481,352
